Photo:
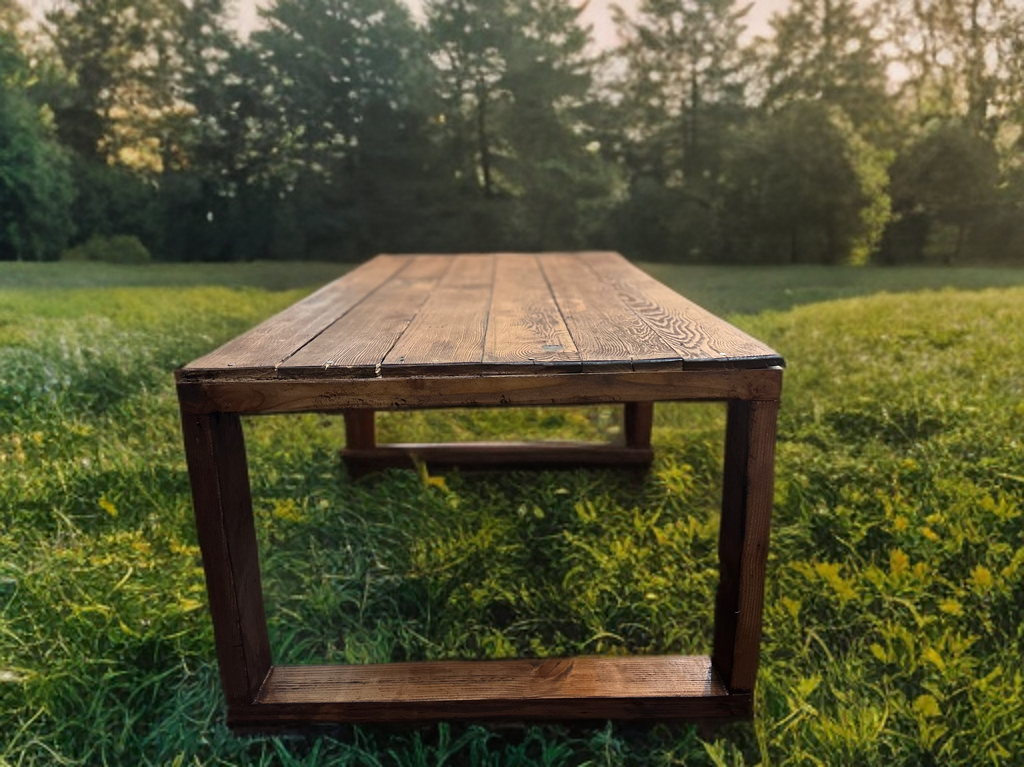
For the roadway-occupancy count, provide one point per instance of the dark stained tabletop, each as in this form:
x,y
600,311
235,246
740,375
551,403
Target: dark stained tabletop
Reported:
x,y
491,314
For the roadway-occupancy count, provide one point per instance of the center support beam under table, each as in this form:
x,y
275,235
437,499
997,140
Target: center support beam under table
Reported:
x,y
362,454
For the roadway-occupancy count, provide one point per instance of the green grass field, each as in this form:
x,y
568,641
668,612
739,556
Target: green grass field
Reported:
x,y
894,621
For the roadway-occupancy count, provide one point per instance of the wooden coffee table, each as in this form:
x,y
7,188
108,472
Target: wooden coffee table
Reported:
x,y
505,330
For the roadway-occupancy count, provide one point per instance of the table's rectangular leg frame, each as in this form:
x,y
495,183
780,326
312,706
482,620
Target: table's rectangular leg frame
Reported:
x,y
362,454
259,695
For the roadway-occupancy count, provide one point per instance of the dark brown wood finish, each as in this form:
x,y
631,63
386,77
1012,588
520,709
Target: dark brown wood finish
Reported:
x,y
507,330
215,451
743,540
360,429
480,391
637,422
496,455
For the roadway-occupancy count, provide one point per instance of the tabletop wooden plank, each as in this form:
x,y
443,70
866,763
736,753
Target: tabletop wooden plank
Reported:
x,y
359,341
695,333
271,342
605,330
525,326
485,314
449,330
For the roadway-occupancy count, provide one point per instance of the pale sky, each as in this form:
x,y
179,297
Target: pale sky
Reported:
x,y
598,14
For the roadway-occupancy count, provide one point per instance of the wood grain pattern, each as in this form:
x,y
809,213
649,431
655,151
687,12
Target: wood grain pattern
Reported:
x,y
485,315
447,334
555,689
495,455
555,678
215,451
743,540
476,391
606,332
697,335
525,325
259,351
357,343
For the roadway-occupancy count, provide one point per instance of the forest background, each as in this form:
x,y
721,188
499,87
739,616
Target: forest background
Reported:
x,y
889,131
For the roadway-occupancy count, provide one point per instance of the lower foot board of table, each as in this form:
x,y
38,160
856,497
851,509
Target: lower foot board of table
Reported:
x,y
633,687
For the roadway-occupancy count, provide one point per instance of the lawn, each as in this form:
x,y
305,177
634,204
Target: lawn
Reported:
x,y
895,589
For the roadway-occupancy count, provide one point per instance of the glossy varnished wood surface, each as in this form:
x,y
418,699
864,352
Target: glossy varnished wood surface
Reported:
x,y
484,314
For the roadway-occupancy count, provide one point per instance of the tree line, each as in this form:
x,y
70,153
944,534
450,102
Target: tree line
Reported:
x,y
889,132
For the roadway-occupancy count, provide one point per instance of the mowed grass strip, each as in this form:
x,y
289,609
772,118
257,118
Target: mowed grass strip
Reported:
x,y
894,599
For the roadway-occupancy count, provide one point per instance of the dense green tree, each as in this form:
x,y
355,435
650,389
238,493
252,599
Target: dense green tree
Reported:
x,y
825,50
468,39
515,77
960,59
685,78
961,64
125,64
346,92
943,184
798,189
12,16
560,180
35,186
683,84
220,193
127,105
483,129
331,62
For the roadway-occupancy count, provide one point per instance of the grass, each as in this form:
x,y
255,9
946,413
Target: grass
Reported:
x,y
726,290
895,590
271,275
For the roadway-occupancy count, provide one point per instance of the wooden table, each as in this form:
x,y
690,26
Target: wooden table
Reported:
x,y
425,331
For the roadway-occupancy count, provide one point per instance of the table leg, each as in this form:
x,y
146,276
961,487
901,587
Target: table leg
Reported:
x,y
638,418
360,430
743,540
215,450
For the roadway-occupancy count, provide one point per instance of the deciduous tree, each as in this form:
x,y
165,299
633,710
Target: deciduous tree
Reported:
x,y
35,185
826,50
799,191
